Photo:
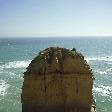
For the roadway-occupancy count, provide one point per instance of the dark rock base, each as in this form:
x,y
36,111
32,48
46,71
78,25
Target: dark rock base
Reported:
x,y
71,108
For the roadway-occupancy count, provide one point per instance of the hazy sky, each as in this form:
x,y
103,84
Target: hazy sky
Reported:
x,y
44,18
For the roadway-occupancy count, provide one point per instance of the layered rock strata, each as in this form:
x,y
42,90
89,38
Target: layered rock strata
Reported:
x,y
58,80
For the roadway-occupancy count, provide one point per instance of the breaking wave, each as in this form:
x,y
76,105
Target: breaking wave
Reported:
x,y
15,64
3,87
103,91
107,71
105,58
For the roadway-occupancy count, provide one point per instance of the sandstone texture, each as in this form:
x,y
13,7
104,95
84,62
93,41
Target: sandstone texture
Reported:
x,y
58,80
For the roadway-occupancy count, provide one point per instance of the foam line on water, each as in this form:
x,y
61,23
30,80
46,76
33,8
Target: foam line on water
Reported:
x,y
3,87
105,58
109,70
101,72
16,64
103,91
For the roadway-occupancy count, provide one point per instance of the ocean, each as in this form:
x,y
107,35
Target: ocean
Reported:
x,y
17,53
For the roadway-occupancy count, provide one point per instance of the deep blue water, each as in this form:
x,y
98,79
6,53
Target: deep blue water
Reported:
x,y
16,54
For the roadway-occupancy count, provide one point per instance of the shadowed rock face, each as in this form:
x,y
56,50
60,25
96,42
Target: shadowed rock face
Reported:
x,y
57,80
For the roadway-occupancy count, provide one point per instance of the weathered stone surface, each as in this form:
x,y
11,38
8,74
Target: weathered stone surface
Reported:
x,y
57,80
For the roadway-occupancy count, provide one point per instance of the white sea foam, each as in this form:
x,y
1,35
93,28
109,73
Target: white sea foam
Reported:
x,y
106,58
101,72
103,91
15,64
3,87
109,70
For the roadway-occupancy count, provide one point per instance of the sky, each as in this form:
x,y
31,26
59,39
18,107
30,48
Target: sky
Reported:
x,y
52,18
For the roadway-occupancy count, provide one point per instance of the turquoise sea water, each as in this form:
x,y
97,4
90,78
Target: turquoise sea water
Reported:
x,y
16,54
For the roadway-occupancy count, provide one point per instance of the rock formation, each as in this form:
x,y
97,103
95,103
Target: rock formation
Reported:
x,y
58,80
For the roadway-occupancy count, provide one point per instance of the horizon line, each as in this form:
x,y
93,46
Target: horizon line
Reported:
x,y
76,36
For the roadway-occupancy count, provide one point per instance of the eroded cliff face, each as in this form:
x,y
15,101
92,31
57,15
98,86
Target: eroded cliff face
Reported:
x,y
57,80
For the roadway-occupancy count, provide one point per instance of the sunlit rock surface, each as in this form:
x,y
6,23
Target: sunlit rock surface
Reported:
x,y
58,80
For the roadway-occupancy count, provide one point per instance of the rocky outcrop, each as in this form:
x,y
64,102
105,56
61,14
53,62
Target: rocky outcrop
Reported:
x,y
58,80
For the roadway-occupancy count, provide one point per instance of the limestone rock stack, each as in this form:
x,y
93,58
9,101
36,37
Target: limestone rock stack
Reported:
x,y
57,80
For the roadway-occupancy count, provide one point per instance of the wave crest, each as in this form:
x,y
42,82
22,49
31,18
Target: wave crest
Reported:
x,y
3,87
105,58
16,64
103,91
